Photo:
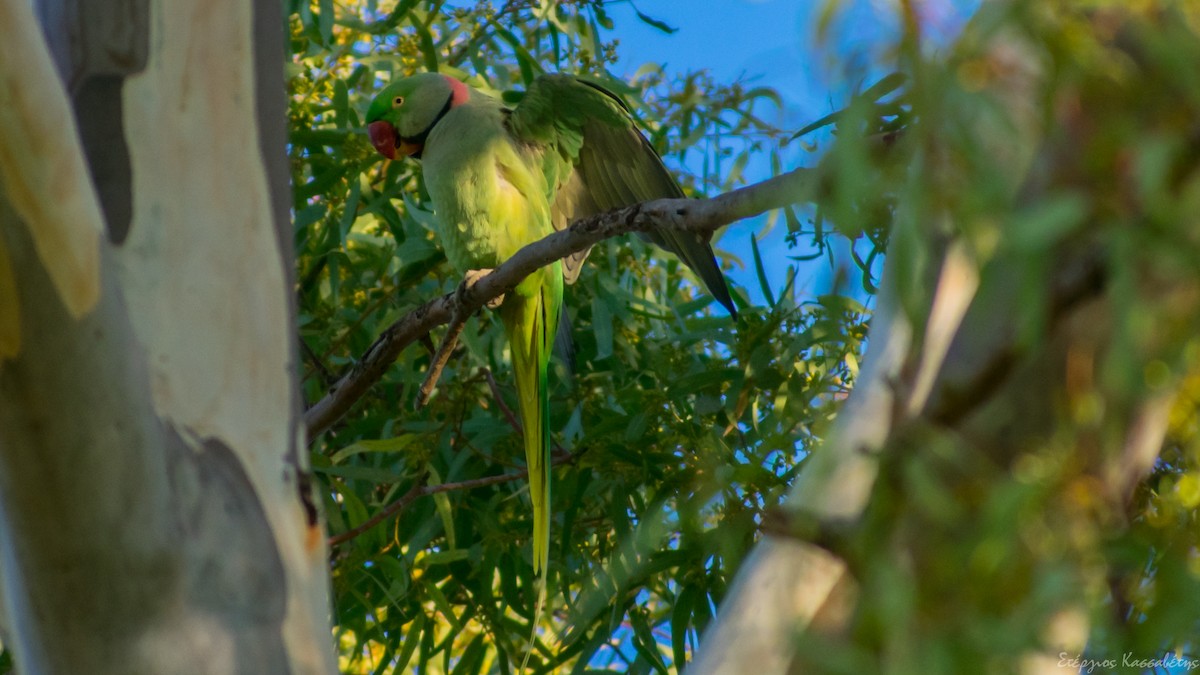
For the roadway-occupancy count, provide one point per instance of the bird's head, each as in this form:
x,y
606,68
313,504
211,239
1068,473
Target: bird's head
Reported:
x,y
402,115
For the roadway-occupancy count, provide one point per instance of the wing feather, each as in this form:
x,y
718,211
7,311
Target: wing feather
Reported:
x,y
596,160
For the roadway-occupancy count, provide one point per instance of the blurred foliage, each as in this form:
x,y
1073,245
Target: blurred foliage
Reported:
x,y
1058,144
678,428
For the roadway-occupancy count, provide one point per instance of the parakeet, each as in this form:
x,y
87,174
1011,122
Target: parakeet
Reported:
x,y
502,178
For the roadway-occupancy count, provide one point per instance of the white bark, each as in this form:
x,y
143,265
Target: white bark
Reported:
x,y
785,583
151,488
43,177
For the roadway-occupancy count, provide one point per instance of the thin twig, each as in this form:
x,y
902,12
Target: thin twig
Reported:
x,y
508,413
395,507
560,452
440,359
317,363
457,321
481,31
348,332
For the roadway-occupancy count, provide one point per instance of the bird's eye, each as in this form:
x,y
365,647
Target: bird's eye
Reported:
x,y
398,101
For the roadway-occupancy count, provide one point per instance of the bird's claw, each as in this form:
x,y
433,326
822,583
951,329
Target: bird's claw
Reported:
x,y
472,277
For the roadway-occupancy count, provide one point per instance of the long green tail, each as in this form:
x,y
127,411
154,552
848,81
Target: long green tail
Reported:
x,y
531,321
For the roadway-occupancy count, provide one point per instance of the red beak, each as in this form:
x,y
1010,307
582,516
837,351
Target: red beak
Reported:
x,y
383,137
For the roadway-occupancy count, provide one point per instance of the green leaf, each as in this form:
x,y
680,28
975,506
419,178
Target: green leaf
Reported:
x,y
350,212
443,605
660,25
885,86
530,68
442,501
602,17
712,378
573,430
763,284
1046,222
602,327
401,12
428,50
445,557
873,93
356,512
695,305
396,444
734,176
309,215
681,618
315,138
393,568
471,660
325,21
420,215
820,123
365,473
637,426
793,223
341,104
644,642
765,92
411,641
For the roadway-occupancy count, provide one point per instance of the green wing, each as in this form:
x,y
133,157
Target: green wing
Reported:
x,y
596,160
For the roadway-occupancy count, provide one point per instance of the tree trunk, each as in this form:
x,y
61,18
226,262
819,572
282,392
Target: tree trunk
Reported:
x,y
155,516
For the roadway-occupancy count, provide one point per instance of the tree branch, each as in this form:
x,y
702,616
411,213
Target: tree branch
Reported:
x,y
440,359
508,412
695,215
418,490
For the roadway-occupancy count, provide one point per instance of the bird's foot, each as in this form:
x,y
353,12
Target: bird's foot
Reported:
x,y
472,277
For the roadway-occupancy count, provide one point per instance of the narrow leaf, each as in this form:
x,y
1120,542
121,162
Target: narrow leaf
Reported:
x,y
397,444
681,617
412,638
325,21
763,284
442,501
660,25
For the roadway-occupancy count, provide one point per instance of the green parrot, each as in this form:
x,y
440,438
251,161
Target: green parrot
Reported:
x,y
502,178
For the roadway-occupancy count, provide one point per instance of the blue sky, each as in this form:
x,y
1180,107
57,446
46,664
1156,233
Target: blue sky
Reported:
x,y
772,43
765,41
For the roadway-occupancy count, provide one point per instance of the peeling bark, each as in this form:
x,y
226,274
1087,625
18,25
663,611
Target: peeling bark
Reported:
x,y
152,489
